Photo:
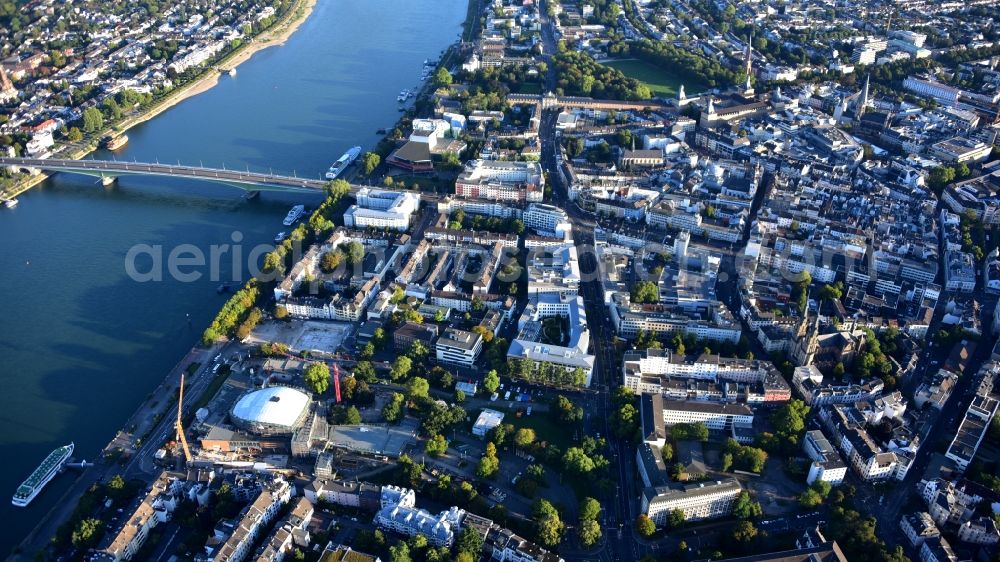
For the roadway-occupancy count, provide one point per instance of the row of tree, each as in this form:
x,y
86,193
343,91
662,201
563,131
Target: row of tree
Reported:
x,y
236,310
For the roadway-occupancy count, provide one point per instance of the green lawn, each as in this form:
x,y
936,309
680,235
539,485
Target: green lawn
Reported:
x,y
661,82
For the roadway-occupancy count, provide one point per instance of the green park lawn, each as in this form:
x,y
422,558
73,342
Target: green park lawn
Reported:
x,y
663,84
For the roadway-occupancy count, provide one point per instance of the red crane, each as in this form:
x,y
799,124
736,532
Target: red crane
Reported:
x,y
336,382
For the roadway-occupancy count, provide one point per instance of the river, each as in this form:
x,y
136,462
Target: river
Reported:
x,y
83,343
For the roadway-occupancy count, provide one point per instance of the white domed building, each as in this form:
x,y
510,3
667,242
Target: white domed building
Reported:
x,y
277,410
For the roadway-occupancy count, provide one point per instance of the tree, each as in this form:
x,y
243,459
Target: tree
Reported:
x,y
940,177
355,252
469,542
810,498
575,460
831,292
498,434
645,292
645,525
371,161
442,77
745,507
393,409
697,431
667,452
400,368
589,532
317,377
491,382
87,533
93,120
790,422
489,464
822,487
838,370
727,462
548,526
744,532
524,437
330,260
436,446
352,416
590,509
365,371
74,134
399,552
676,518
418,351
280,312
568,412
116,485
417,387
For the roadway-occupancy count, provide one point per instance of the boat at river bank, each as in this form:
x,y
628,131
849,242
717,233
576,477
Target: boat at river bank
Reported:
x,y
46,471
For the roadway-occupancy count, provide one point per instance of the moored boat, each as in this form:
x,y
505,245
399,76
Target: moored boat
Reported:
x,y
42,475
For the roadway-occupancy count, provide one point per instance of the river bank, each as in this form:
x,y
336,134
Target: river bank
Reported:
x,y
273,36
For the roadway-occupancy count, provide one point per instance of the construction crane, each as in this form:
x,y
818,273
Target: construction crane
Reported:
x,y
179,426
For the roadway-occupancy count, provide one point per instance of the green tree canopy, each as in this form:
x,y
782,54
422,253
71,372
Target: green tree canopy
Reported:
x,y
317,377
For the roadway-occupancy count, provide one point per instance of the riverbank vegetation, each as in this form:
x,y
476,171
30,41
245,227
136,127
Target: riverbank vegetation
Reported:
x,y
236,310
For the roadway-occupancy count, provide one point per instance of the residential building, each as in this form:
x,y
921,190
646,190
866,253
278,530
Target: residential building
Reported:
x,y
918,527
971,432
440,529
503,545
981,530
827,464
396,495
341,553
937,550
288,533
656,370
547,220
155,508
254,519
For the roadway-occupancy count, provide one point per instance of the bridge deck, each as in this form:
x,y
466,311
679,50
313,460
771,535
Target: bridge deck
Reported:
x,y
114,167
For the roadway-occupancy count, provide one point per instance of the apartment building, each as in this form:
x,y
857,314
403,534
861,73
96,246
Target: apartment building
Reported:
x,y
288,533
918,527
547,220
255,519
656,370
439,529
504,545
155,508
827,464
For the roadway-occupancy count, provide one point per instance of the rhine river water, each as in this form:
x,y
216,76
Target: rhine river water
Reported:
x,y
82,344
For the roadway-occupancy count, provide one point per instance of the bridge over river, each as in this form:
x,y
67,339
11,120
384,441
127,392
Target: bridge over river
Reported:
x,y
108,170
